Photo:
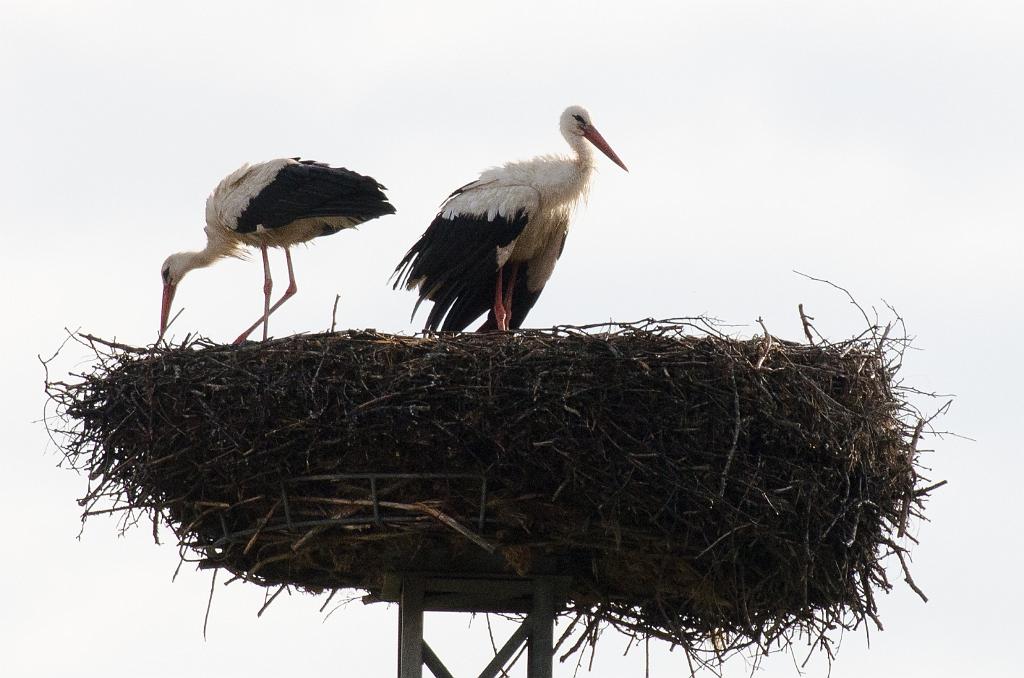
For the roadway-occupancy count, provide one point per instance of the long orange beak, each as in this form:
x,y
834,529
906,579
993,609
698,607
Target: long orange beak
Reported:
x,y
593,136
165,306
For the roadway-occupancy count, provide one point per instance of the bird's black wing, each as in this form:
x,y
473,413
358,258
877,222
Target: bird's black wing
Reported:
x,y
308,189
455,264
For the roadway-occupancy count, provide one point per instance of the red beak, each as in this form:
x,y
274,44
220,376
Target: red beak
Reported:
x,y
593,136
165,306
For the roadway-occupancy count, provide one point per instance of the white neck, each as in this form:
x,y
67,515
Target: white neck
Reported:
x,y
584,152
187,261
200,259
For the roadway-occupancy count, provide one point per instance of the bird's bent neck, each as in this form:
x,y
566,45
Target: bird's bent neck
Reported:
x,y
201,258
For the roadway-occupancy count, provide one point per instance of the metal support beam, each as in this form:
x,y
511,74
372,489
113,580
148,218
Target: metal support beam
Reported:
x,y
434,663
542,631
541,596
410,629
507,651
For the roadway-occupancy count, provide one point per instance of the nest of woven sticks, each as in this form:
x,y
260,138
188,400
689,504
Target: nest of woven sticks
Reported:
x,y
695,487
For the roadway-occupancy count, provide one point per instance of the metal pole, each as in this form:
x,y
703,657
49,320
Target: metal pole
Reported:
x,y
410,628
542,633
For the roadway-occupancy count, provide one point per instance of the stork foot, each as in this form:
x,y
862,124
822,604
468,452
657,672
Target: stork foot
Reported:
x,y
242,337
288,294
293,287
501,318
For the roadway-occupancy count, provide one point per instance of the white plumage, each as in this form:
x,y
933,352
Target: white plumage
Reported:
x,y
470,260
233,194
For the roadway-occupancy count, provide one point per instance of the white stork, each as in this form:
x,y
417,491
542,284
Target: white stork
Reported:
x,y
494,244
278,203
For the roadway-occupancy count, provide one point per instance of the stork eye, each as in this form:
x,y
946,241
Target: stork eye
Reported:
x,y
579,119
166,275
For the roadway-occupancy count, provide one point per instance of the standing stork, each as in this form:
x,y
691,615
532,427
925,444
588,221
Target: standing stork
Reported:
x,y
494,244
278,203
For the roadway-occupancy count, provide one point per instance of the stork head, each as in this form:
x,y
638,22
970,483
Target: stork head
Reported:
x,y
575,123
172,271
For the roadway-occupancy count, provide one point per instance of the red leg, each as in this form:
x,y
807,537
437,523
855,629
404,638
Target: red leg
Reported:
x,y
500,317
267,287
507,303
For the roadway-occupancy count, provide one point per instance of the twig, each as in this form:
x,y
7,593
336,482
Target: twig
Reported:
x,y
334,311
927,490
841,289
906,572
805,321
272,598
209,602
329,599
259,527
418,507
112,344
768,345
168,326
911,452
735,437
494,645
584,636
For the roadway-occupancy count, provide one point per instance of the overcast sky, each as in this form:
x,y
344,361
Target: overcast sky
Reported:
x,y
877,144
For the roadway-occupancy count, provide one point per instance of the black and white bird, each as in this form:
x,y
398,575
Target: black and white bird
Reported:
x,y
278,203
494,244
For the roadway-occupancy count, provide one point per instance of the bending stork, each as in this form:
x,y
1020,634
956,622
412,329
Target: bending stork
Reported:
x,y
494,244
278,203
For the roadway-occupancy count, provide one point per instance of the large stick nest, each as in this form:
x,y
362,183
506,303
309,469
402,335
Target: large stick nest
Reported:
x,y
694,486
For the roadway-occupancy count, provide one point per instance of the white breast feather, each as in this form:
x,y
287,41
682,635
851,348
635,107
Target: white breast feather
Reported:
x,y
543,264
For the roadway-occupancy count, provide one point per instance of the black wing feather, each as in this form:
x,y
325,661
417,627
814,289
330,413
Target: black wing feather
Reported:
x,y
455,262
310,189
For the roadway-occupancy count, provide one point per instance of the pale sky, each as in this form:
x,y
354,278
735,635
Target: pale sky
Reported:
x,y
876,144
